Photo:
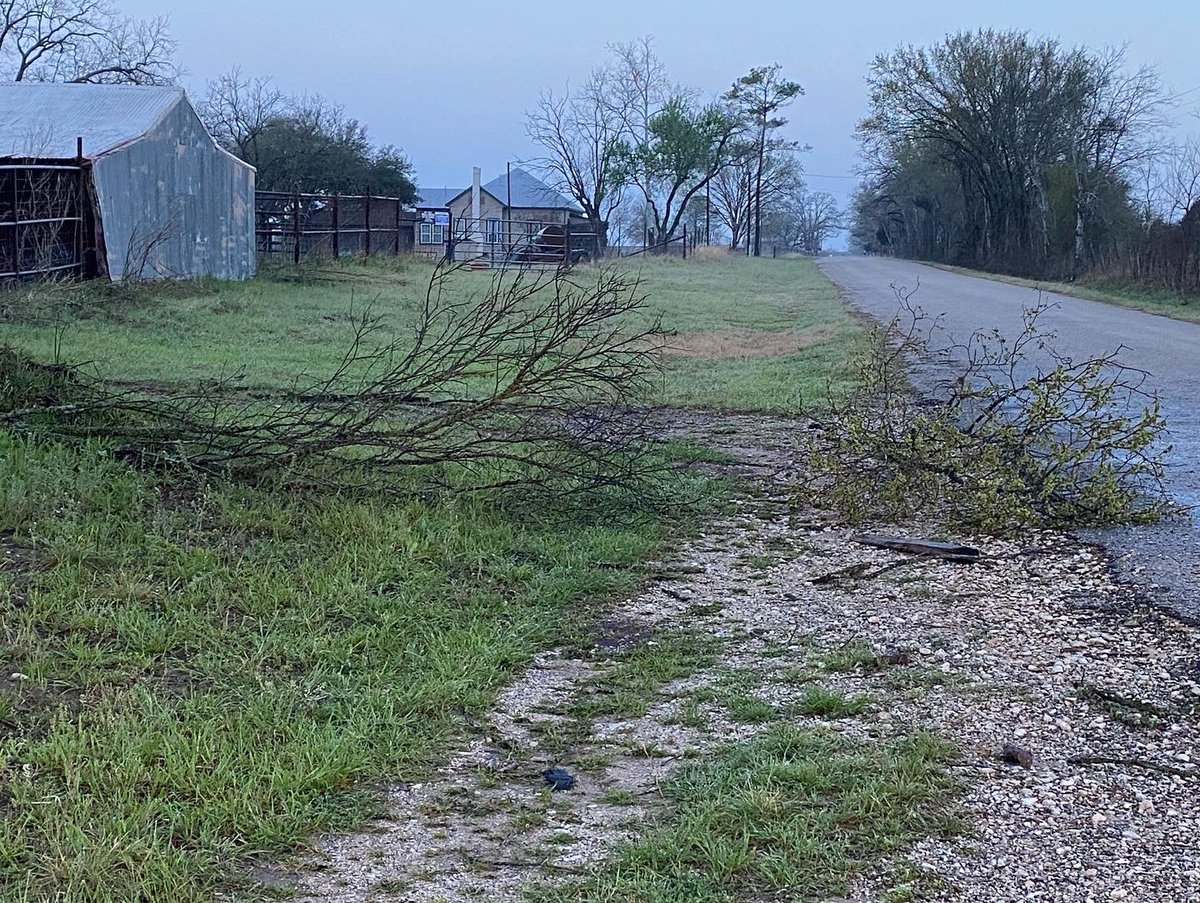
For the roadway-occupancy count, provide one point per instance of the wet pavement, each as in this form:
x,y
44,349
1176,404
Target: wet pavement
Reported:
x,y
1163,560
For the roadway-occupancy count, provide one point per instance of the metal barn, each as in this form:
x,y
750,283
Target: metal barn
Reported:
x,y
118,181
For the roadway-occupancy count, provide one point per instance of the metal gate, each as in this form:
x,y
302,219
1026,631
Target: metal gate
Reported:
x,y
44,220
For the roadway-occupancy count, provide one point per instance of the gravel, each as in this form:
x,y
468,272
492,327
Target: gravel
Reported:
x,y
1036,645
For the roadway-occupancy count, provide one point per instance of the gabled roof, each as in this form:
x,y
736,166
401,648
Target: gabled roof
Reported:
x,y
527,191
39,120
437,197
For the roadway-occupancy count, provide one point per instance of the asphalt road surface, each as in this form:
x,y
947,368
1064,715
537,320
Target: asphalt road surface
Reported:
x,y
1163,559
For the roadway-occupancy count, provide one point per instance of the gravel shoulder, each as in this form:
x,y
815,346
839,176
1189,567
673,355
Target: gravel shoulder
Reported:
x,y
1037,645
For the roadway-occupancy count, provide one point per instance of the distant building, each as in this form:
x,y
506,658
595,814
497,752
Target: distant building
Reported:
x,y
512,209
120,181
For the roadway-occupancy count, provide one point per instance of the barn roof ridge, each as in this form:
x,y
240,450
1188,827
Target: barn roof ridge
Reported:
x,y
43,120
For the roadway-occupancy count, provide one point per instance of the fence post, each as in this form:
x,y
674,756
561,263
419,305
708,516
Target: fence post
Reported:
x,y
81,189
685,241
367,222
398,211
16,232
567,244
296,228
337,238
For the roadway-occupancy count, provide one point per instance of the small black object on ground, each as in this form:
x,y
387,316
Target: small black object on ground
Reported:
x,y
559,778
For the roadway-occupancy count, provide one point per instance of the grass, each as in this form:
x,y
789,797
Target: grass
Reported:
x,y
791,814
196,673
285,326
627,688
214,676
855,655
1164,302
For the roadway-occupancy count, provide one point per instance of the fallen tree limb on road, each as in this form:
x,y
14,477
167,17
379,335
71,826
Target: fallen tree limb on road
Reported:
x,y
1014,435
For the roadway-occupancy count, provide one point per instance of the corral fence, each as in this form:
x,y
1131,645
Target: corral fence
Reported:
x,y
676,246
44,221
299,225
495,242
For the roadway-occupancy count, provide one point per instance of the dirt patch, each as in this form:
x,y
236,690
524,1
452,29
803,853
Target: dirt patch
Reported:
x,y
718,344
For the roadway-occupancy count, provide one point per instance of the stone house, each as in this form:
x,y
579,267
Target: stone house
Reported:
x,y
488,219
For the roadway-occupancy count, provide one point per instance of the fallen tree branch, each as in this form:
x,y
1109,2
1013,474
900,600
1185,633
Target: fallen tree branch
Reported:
x,y
927,547
534,381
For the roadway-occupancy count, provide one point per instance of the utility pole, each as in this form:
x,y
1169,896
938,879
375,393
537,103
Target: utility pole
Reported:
x,y
749,208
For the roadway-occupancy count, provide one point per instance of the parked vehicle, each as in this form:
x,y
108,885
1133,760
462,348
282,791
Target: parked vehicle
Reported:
x,y
546,247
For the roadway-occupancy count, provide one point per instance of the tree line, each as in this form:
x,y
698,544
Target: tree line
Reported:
x,y
644,156
1009,152
297,143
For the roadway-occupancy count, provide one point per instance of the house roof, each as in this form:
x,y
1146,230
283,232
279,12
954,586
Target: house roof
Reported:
x,y
39,120
527,191
437,197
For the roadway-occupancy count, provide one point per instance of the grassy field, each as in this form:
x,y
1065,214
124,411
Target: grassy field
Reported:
x,y
743,334
1156,301
198,673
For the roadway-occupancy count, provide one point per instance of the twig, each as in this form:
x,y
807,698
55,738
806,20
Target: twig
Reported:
x,y
860,571
1134,763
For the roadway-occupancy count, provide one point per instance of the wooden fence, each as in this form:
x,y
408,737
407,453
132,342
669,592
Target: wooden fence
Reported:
x,y
300,225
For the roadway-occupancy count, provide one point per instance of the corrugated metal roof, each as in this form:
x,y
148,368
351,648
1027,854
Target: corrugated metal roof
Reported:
x,y
437,197
43,120
527,191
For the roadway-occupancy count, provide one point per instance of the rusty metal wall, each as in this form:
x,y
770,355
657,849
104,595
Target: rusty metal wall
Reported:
x,y
174,205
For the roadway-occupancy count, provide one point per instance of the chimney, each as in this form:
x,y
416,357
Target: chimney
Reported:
x,y
475,200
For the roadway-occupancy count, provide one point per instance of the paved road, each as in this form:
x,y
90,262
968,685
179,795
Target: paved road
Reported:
x,y
1164,559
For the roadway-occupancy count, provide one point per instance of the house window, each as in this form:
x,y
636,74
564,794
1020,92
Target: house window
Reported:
x,y
433,234
493,233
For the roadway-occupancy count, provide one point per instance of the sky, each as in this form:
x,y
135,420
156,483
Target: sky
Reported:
x,y
450,83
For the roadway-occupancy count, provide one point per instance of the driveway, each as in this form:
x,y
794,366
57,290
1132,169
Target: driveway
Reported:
x,y
1164,559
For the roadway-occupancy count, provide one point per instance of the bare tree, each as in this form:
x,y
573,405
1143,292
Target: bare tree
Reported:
x,y
580,135
639,87
733,188
238,109
818,219
1179,179
1116,131
83,41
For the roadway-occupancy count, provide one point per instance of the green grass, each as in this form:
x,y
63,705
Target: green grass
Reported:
x,y
192,673
212,675
791,814
1160,301
822,703
285,326
627,688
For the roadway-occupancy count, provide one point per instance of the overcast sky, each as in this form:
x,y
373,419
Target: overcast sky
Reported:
x,y
449,82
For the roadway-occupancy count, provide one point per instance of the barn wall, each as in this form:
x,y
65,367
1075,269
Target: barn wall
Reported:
x,y
174,205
